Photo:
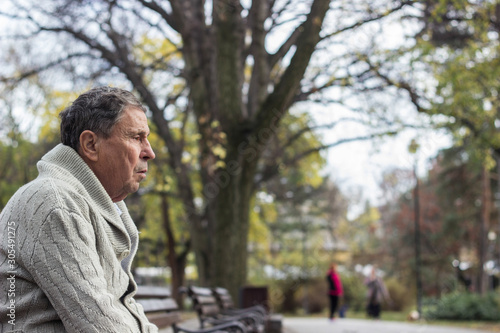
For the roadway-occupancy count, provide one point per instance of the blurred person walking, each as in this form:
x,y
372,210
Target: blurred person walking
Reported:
x,y
335,289
377,293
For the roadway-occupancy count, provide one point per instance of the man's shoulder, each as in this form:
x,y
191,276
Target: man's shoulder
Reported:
x,y
43,195
50,188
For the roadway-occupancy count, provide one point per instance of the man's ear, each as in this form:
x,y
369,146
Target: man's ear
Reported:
x,y
89,145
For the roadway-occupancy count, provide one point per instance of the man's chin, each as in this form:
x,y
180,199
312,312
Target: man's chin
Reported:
x,y
132,189
135,188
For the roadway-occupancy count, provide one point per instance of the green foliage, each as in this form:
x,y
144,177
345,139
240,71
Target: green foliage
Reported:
x,y
293,209
152,234
20,148
292,139
18,158
55,101
149,50
360,231
313,295
466,306
449,211
282,295
459,42
402,296
354,291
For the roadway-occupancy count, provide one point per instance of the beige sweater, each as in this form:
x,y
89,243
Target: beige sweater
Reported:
x,y
65,254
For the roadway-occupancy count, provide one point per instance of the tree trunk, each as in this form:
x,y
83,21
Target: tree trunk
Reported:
x,y
229,256
215,73
177,262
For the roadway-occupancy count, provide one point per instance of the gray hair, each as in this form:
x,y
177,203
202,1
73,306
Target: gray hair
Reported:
x,y
97,110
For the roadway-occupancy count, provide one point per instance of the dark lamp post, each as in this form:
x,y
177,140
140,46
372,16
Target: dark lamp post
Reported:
x,y
417,243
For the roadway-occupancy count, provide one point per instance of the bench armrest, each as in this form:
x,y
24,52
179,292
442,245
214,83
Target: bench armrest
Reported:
x,y
249,320
257,310
231,326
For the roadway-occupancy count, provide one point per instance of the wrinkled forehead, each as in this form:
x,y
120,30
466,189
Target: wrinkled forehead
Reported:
x,y
132,120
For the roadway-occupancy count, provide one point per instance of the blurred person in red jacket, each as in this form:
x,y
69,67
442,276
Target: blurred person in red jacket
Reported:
x,y
335,290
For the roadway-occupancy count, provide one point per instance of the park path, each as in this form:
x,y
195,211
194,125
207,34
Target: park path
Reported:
x,y
347,325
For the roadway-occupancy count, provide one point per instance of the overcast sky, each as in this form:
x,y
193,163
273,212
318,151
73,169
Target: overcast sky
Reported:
x,y
358,166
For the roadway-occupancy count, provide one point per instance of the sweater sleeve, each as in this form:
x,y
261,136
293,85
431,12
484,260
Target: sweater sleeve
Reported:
x,y
67,267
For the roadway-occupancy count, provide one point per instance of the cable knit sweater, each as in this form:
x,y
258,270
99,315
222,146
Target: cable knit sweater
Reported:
x,y
65,254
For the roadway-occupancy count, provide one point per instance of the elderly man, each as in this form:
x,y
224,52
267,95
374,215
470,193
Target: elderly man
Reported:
x,y
67,239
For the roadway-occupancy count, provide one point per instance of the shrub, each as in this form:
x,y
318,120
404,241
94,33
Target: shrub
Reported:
x,y
282,295
317,296
466,306
401,296
354,292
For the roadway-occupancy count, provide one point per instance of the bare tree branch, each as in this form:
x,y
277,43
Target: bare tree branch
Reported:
x,y
49,65
273,171
175,20
374,17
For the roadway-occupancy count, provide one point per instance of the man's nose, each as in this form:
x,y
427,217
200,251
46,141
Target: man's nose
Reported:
x,y
147,152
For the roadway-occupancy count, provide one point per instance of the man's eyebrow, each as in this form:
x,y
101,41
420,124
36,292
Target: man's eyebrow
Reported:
x,y
138,131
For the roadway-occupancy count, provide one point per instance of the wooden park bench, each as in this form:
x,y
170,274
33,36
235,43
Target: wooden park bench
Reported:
x,y
209,312
226,304
273,322
163,311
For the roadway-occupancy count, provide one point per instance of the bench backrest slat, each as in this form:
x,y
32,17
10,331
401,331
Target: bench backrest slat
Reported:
x,y
210,310
164,319
204,302
154,305
152,292
200,291
224,298
159,307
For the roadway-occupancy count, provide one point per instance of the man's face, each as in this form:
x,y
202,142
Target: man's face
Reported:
x,y
122,158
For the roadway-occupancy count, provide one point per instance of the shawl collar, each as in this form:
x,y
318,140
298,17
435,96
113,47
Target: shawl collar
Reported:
x,y
79,175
